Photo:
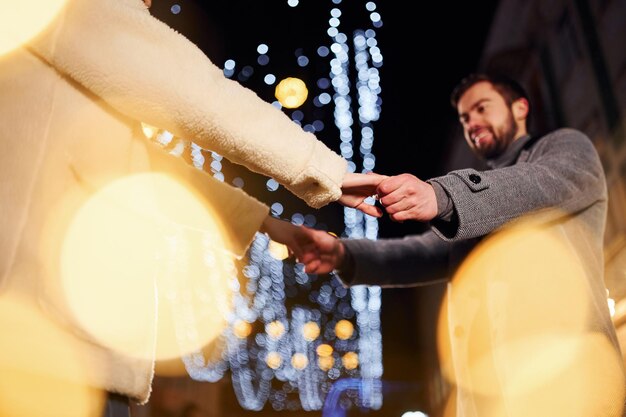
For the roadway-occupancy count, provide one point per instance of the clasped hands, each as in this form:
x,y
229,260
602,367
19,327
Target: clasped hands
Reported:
x,y
404,197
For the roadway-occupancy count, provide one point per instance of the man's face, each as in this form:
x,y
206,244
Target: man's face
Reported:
x,y
487,120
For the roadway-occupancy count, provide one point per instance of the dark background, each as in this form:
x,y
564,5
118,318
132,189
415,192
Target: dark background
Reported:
x,y
427,48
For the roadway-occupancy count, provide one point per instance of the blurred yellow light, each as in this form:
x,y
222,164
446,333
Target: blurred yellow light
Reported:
x,y
138,237
350,360
242,329
273,360
512,331
299,361
275,329
324,350
344,329
291,92
24,19
41,372
310,331
325,362
278,250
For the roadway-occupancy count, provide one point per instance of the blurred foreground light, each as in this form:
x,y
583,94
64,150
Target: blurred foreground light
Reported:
x,y
22,20
291,92
139,239
41,373
513,335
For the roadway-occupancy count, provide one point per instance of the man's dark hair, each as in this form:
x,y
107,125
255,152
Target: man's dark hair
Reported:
x,y
508,88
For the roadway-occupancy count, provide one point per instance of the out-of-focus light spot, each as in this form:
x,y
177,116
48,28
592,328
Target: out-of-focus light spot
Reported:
x,y
269,79
297,115
139,235
238,182
299,361
335,12
273,360
323,83
310,331
414,414
263,60
303,61
275,329
148,131
262,49
515,348
216,166
370,6
375,17
344,329
325,362
291,92
324,349
277,250
22,20
297,219
272,184
293,3
323,51
41,373
242,329
333,22
229,64
318,125
310,220
175,9
277,209
325,98
350,360
332,32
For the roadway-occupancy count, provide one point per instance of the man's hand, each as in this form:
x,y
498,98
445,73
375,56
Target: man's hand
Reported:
x,y
319,251
356,188
406,197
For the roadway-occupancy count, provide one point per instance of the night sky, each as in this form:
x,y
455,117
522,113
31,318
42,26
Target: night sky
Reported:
x,y
425,54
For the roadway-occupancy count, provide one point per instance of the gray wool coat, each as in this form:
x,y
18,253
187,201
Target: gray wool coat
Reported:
x,y
523,260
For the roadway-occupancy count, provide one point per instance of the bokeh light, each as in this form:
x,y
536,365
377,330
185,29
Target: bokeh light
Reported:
x,y
344,329
512,332
41,373
22,20
139,238
291,92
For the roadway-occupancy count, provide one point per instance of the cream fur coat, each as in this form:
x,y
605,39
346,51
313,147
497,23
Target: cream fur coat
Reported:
x,y
71,106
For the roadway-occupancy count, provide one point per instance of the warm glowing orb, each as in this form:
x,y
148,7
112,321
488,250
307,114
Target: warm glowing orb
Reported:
x,y
145,254
291,92
513,333
22,20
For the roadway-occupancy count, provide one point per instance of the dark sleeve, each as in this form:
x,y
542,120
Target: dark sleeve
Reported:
x,y
411,261
562,175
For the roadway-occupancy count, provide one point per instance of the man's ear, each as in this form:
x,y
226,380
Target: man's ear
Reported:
x,y
520,109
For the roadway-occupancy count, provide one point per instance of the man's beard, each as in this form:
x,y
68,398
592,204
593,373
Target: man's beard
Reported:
x,y
502,138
